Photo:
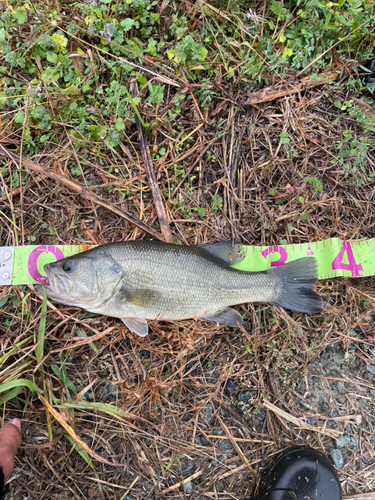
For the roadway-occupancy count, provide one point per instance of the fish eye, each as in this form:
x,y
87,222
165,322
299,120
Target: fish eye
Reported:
x,y
68,266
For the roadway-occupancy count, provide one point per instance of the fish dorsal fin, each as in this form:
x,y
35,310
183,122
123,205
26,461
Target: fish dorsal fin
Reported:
x,y
137,325
228,251
226,316
140,298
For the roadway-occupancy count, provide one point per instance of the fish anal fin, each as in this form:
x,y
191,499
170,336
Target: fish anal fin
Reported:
x,y
140,298
137,325
226,316
229,251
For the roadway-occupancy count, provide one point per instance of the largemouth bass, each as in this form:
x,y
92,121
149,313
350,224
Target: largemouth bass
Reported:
x,y
150,280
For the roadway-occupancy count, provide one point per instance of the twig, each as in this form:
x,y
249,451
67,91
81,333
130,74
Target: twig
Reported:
x,y
158,200
181,483
361,496
238,449
274,92
37,167
300,423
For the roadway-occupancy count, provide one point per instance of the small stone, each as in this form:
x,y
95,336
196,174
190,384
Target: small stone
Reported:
x,y
312,421
110,393
149,486
89,396
226,445
371,369
353,442
368,376
244,397
145,353
186,469
219,486
103,373
213,377
301,389
332,424
231,387
353,362
219,432
206,442
341,400
214,463
325,407
202,441
337,458
342,441
187,417
261,415
223,412
189,488
207,413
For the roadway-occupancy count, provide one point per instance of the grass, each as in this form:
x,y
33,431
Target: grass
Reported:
x,y
293,169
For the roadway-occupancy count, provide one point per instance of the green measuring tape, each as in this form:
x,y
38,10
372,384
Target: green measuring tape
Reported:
x,y
24,265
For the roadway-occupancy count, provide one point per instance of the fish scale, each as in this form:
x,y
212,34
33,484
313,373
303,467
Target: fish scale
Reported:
x,y
149,280
190,284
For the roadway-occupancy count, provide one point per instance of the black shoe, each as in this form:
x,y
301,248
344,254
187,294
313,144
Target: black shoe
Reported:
x,y
299,473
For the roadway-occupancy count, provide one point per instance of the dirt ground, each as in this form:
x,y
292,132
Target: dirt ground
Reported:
x,y
203,407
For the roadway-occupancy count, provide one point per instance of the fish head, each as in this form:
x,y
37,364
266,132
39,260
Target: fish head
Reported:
x,y
72,281
84,280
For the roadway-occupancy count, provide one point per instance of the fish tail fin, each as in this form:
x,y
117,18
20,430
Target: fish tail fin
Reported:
x,y
297,291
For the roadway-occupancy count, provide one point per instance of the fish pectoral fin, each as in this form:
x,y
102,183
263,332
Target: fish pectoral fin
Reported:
x,y
140,298
228,251
137,325
227,316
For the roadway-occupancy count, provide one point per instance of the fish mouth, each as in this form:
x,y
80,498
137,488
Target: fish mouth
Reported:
x,y
59,284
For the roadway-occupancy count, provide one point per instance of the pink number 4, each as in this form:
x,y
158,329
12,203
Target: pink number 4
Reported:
x,y
352,266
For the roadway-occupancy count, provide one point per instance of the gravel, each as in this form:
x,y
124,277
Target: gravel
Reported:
x,y
337,458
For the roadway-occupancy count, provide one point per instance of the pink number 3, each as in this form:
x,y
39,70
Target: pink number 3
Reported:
x,y
352,266
276,249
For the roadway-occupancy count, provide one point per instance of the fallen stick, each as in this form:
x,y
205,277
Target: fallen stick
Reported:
x,y
238,449
158,200
361,496
89,195
181,483
300,423
276,91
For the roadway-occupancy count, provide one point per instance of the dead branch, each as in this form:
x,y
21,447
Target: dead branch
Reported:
x,y
158,200
276,91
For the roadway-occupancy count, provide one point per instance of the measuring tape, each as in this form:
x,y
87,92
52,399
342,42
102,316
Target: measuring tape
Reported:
x,y
24,265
